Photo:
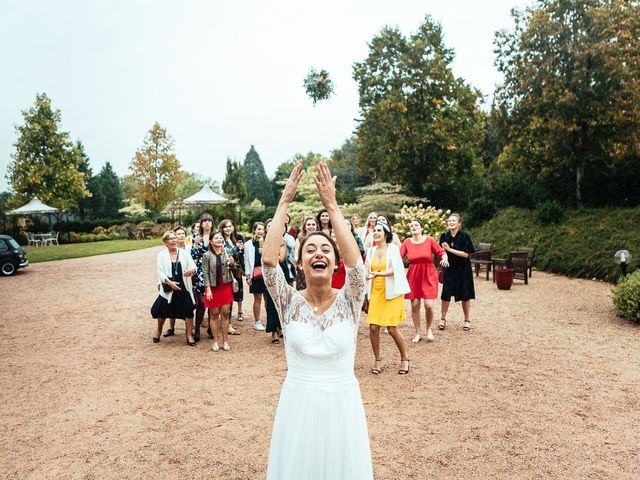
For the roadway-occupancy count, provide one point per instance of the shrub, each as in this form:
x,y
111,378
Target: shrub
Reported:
x,y
433,220
479,210
147,224
549,212
626,296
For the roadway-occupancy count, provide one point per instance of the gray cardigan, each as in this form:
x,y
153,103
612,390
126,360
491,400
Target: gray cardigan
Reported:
x,y
209,269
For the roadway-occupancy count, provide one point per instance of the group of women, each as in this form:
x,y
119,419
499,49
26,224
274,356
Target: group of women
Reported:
x,y
200,275
205,271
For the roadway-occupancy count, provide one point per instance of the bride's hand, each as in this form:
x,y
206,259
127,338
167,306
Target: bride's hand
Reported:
x,y
326,185
290,188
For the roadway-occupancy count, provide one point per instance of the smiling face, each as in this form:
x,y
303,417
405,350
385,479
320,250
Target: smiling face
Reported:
x,y
324,219
171,241
453,223
379,235
355,220
258,231
318,258
217,240
228,229
310,225
372,219
180,234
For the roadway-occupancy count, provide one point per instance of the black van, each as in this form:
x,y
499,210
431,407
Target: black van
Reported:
x,y
12,256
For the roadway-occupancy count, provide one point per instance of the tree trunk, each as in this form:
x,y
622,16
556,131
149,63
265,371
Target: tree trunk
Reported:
x,y
579,177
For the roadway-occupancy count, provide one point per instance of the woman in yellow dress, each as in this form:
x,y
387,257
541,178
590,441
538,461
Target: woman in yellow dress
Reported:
x,y
386,287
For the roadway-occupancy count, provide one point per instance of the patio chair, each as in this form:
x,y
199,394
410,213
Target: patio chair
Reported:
x,y
32,240
51,240
481,258
517,261
529,251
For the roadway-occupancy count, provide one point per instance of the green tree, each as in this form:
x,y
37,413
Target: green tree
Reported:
x,y
572,92
155,170
107,197
256,180
344,165
284,170
45,163
420,124
233,184
84,167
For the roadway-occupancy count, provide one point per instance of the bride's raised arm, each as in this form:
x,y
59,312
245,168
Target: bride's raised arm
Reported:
x,y
347,244
271,246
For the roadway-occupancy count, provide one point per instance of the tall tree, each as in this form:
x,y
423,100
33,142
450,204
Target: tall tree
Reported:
x,y
420,124
345,166
85,168
156,170
284,170
107,194
233,183
45,163
256,180
572,91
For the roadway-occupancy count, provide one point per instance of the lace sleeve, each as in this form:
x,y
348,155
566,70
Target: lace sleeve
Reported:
x,y
354,289
279,290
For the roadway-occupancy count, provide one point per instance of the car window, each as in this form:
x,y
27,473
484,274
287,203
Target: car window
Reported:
x,y
3,246
13,244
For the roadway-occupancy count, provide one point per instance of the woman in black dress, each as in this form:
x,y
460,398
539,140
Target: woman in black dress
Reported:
x,y
458,277
175,299
253,271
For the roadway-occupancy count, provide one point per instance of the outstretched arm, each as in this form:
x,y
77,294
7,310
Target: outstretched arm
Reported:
x,y
347,244
272,243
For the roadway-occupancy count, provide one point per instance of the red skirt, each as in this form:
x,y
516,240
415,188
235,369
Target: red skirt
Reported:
x,y
221,295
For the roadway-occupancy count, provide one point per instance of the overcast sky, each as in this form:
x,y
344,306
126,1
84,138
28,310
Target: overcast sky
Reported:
x,y
220,76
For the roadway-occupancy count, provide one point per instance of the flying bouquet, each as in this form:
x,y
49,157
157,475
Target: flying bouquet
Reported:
x,y
318,85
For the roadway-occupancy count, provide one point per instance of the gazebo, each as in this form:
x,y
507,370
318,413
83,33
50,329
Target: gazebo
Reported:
x,y
34,207
206,196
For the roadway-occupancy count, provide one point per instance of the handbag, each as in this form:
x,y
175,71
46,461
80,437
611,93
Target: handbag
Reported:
x,y
441,276
257,273
235,286
365,305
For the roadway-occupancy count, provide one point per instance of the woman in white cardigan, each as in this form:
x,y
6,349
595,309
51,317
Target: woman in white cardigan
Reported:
x,y
175,299
386,287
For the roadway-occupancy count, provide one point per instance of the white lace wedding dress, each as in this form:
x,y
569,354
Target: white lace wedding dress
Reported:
x,y
320,429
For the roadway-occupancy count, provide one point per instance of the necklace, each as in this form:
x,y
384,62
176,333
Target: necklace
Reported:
x,y
317,307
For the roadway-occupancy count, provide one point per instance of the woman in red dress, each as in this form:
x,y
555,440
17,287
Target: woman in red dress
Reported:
x,y
422,274
218,292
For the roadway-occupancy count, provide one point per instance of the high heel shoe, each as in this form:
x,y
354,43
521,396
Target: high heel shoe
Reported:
x,y
404,371
156,339
191,343
376,370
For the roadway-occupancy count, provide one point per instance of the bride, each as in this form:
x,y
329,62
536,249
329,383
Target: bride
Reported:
x,y
320,429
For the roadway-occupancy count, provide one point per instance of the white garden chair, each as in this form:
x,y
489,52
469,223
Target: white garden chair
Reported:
x,y
32,240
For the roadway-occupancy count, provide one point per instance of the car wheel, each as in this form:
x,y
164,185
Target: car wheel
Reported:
x,y
8,269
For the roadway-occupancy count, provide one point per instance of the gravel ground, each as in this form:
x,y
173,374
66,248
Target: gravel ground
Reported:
x,y
546,385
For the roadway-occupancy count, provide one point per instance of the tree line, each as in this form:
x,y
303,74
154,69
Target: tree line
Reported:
x,y
563,126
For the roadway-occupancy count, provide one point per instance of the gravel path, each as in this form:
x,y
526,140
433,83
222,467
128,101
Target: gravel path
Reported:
x,y
546,385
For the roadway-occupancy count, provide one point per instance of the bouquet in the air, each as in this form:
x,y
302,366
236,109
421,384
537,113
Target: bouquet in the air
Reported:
x,y
318,85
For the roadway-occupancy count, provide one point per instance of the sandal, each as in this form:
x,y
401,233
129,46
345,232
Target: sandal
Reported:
x,y
240,317
215,347
275,340
226,347
417,338
376,370
232,331
443,324
404,371
467,326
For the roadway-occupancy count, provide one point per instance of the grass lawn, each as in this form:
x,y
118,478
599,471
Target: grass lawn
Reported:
x,y
76,250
